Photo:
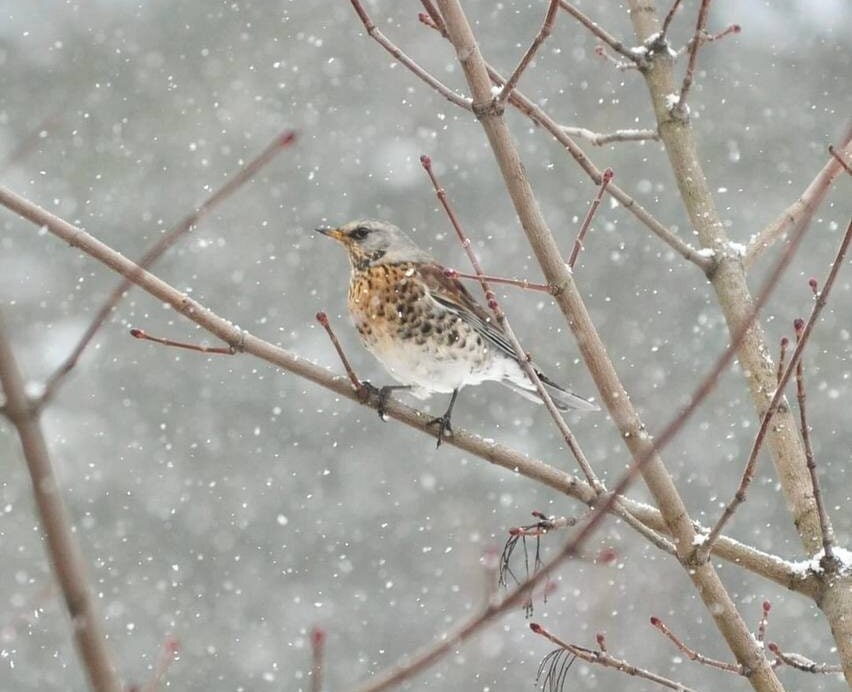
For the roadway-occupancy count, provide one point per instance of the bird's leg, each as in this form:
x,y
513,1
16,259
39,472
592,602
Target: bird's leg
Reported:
x,y
382,393
443,422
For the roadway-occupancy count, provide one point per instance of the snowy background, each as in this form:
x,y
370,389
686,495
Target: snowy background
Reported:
x,y
235,506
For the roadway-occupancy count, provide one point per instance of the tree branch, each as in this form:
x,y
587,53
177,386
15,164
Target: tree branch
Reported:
x,y
62,547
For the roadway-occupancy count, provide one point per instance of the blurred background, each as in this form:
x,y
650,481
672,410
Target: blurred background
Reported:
x,y
235,506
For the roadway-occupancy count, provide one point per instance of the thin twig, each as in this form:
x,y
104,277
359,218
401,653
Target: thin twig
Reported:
x,y
158,249
765,564
782,355
837,155
600,657
540,38
623,65
601,33
693,655
521,355
764,621
680,109
62,547
803,663
434,16
322,318
606,177
520,283
807,202
539,117
219,350
668,20
600,138
318,638
801,397
748,472
168,655
374,33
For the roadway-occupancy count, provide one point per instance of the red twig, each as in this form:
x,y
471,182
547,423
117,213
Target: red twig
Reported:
x,y
748,472
540,38
280,142
668,20
434,17
680,108
169,654
553,669
520,283
374,33
322,318
601,33
318,638
500,316
693,655
764,621
828,559
606,177
802,663
220,350
781,357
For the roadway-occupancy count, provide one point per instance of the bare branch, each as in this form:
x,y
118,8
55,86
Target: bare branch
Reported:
x,y
830,562
764,621
318,639
322,318
541,37
554,683
520,283
218,350
169,653
680,110
693,655
539,117
807,203
601,138
62,546
779,571
601,33
748,473
158,249
802,663
521,355
606,177
374,33
668,20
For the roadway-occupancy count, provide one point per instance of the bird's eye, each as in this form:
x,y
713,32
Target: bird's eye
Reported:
x,y
359,233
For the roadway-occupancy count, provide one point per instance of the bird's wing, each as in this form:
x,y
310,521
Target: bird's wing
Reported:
x,y
453,296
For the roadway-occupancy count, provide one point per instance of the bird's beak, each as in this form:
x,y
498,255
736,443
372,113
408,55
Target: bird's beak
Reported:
x,y
332,233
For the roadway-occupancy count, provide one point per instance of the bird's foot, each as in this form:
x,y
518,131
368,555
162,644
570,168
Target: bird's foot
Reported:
x,y
382,394
445,427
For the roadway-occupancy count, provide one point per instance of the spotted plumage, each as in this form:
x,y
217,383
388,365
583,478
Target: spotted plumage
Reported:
x,y
425,327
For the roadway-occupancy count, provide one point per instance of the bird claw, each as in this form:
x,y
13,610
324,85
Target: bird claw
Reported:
x,y
445,428
382,394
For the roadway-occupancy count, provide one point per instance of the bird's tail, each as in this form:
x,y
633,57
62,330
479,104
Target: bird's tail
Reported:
x,y
564,400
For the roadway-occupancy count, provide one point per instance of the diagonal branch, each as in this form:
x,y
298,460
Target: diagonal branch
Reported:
x,y
62,546
601,33
645,451
157,250
561,135
374,33
807,203
541,37
764,564
680,110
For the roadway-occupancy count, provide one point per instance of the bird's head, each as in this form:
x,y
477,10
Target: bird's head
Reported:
x,y
371,242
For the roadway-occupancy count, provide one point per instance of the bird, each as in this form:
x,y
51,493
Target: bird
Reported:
x,y
424,326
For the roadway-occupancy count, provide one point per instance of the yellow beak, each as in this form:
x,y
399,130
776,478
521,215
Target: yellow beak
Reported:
x,y
333,233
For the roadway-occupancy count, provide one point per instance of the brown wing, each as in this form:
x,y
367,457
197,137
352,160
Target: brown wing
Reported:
x,y
452,294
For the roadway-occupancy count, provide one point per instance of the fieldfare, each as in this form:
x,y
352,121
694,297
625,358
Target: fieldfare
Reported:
x,y
424,326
